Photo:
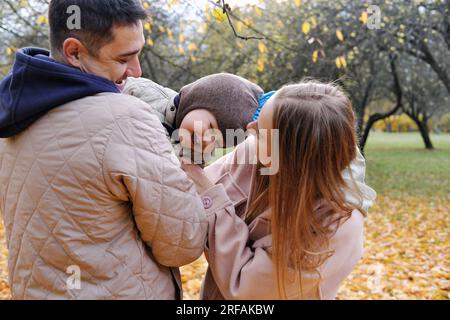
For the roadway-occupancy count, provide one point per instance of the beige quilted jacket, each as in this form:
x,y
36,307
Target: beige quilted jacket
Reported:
x,y
158,97
96,206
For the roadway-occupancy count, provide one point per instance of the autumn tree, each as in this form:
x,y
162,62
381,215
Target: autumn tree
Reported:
x,y
424,95
278,42
22,23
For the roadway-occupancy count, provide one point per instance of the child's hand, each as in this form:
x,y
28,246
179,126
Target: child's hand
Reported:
x,y
198,142
198,176
196,150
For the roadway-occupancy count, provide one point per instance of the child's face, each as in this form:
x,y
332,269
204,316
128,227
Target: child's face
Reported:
x,y
197,131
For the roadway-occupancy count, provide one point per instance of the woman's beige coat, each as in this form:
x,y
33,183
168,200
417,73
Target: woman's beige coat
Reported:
x,y
240,255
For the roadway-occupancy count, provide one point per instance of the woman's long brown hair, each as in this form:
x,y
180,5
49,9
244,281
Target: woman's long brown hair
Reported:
x,y
317,141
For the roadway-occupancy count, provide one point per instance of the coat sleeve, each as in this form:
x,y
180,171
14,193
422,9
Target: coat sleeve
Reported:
x,y
241,270
219,167
242,158
358,192
141,170
159,98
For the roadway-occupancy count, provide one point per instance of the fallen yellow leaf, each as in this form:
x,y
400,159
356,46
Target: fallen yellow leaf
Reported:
x,y
306,27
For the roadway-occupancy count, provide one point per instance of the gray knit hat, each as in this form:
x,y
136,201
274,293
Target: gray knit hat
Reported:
x,y
231,99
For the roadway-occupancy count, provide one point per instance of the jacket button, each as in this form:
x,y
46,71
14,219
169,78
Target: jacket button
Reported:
x,y
207,202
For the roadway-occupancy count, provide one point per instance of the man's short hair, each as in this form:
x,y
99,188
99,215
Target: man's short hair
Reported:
x,y
98,17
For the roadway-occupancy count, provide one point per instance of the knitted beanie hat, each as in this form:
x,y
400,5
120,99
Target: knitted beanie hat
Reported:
x,y
231,99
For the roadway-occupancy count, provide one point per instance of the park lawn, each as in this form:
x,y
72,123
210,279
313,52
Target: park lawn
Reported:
x,y
407,242
399,165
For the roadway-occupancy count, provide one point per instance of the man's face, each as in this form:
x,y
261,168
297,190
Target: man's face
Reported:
x,y
119,59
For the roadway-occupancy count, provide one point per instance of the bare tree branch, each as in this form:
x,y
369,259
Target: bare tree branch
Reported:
x,y
227,11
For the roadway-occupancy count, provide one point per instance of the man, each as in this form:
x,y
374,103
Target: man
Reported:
x,y
94,202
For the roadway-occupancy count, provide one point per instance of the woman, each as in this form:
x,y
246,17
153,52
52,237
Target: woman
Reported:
x,y
296,234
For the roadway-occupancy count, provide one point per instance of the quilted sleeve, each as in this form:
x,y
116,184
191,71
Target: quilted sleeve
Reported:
x,y
140,169
242,267
358,192
159,98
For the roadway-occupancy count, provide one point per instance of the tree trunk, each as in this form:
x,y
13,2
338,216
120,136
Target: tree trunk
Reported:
x,y
425,136
365,135
380,116
424,132
361,111
359,124
429,58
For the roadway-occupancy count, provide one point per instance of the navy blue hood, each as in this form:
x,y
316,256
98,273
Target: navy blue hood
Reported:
x,y
37,84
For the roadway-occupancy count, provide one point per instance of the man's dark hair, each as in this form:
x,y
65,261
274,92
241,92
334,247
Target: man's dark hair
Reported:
x,y
98,17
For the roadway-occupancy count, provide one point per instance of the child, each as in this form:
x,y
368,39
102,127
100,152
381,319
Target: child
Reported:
x,y
219,101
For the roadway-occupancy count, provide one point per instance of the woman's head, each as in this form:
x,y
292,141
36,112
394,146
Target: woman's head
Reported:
x,y
316,142
311,118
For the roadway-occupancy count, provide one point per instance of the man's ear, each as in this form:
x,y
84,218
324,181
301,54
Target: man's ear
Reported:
x,y
72,48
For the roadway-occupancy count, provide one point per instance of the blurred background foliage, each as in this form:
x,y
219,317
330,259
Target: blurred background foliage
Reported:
x,y
397,75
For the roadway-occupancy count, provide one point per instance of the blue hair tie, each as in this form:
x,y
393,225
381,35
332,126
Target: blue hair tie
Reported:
x,y
262,101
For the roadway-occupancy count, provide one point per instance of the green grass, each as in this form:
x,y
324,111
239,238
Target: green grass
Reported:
x,y
398,164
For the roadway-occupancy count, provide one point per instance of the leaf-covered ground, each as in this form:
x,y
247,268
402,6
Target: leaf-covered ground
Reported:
x,y
4,288
407,246
407,252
